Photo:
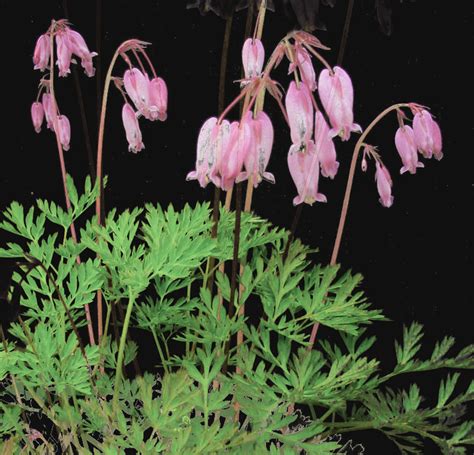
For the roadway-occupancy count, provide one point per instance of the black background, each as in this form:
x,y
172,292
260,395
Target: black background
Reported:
x,y
415,256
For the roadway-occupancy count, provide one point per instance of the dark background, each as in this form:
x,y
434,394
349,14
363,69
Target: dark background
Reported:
x,y
415,256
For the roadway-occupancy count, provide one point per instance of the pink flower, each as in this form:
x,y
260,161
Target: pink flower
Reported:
x,y
137,87
300,113
158,98
253,56
304,170
64,131
325,147
406,147
49,110
79,47
427,135
260,150
37,115
206,152
64,51
132,129
337,96
384,184
305,65
234,151
42,53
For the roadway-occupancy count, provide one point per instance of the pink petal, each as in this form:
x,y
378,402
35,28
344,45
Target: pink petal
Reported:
x,y
384,184
37,115
253,56
300,112
325,147
132,129
64,131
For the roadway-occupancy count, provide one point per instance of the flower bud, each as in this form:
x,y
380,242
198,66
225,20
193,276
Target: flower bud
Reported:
x,y
37,115
132,129
384,184
64,131
253,56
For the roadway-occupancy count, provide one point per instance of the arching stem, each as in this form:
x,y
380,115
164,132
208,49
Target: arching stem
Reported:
x,y
347,196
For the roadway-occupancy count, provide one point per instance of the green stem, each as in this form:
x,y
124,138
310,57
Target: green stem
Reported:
x,y
123,339
160,351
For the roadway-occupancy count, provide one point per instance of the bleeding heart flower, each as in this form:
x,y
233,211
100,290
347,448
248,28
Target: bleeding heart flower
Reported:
x,y
304,170
64,131
234,152
337,95
260,150
300,113
49,110
384,184
64,51
206,152
132,129
325,147
37,115
137,88
42,53
305,65
158,98
427,135
406,147
253,56
79,47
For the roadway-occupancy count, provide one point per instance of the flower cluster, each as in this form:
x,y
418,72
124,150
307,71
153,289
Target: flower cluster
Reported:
x,y
150,98
224,148
424,138
68,43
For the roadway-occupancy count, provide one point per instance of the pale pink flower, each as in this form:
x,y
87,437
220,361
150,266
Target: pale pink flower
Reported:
x,y
325,147
406,147
221,136
49,110
234,152
42,53
64,131
137,87
304,170
37,115
132,129
337,95
253,56
427,135
206,152
384,184
64,51
300,113
305,65
79,47
260,150
158,98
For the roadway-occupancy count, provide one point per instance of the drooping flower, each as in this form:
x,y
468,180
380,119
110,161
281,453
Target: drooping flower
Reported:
x,y
304,170
79,47
300,113
158,98
64,131
305,65
427,135
233,153
259,152
137,87
42,53
132,129
325,147
337,95
37,115
64,53
253,56
406,147
49,110
384,184
205,152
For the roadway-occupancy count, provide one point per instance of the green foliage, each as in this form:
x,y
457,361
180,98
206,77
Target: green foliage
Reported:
x,y
159,259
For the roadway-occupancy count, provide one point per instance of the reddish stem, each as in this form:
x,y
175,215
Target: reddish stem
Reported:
x,y
347,196
63,169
